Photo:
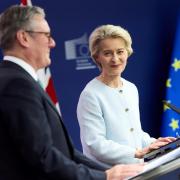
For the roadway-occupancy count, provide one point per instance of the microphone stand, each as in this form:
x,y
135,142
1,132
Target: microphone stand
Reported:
x,y
171,106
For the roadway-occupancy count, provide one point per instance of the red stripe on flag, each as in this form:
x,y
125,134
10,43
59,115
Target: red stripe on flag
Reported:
x,y
24,2
50,90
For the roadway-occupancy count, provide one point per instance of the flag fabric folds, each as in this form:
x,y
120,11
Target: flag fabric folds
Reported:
x,y
44,74
171,119
45,77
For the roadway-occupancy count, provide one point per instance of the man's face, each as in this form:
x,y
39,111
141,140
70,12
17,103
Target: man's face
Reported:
x,y
41,43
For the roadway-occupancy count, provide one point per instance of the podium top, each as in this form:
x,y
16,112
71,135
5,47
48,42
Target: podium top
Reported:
x,y
162,150
174,154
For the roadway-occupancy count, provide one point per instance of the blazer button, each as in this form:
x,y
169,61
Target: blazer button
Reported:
x,y
131,129
120,90
126,110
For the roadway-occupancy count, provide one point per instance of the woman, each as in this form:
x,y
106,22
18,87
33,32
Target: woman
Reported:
x,y
108,108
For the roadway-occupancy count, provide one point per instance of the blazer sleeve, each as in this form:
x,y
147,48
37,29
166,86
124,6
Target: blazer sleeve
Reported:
x,y
27,125
146,139
80,158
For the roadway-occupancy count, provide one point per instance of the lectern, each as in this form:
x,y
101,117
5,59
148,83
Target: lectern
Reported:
x,y
168,171
166,166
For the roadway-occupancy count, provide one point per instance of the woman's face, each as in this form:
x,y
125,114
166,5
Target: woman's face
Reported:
x,y
112,56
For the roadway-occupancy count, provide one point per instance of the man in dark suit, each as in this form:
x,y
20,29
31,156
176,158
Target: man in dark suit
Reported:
x,y
34,144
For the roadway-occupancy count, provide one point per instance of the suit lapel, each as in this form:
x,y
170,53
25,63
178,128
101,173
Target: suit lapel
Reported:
x,y
46,96
13,66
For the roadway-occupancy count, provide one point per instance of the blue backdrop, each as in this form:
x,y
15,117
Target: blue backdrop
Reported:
x,y
152,26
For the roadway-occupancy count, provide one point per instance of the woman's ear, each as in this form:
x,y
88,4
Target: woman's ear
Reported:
x,y
96,58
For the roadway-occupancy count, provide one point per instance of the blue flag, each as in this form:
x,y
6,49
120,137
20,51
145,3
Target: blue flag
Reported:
x,y
171,119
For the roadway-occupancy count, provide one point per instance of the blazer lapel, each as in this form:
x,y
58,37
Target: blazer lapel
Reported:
x,y
46,96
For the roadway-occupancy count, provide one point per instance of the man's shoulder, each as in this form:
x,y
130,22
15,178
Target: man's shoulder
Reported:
x,y
10,71
16,82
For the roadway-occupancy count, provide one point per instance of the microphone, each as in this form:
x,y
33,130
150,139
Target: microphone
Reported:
x,y
171,106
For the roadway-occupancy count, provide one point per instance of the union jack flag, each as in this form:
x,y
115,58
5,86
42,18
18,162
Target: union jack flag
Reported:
x,y
44,74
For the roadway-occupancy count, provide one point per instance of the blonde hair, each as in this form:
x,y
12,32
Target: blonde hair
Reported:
x,y
108,31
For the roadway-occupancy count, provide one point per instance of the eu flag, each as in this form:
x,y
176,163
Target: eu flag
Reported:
x,y
171,119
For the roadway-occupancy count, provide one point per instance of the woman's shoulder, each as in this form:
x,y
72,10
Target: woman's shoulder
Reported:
x,y
93,88
128,84
94,84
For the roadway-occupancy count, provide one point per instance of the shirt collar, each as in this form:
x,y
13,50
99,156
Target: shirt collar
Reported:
x,y
23,64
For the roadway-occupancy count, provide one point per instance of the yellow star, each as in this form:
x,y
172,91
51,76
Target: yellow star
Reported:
x,y
174,124
168,82
176,64
165,107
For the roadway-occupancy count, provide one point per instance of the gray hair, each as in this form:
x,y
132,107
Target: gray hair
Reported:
x,y
13,19
108,31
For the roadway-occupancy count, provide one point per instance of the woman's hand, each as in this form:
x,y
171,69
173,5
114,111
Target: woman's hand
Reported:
x,y
155,145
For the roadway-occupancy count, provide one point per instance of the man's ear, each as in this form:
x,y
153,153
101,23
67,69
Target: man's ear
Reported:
x,y
22,38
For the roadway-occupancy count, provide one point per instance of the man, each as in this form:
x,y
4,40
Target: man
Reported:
x,y
34,144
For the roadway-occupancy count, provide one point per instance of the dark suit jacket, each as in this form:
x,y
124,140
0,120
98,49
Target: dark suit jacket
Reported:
x,y
34,144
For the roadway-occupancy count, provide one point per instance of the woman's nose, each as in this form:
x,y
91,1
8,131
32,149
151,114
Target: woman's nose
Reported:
x,y
115,57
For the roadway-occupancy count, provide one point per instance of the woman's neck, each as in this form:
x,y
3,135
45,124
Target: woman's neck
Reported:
x,y
111,81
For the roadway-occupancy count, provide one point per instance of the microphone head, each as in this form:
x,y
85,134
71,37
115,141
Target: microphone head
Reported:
x,y
171,106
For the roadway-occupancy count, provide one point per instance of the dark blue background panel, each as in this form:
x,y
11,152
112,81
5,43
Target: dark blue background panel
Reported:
x,y
152,25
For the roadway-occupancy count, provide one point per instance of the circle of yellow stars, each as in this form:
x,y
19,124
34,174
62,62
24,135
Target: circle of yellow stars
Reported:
x,y
174,122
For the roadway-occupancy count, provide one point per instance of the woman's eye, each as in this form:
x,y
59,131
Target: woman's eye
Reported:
x,y
120,52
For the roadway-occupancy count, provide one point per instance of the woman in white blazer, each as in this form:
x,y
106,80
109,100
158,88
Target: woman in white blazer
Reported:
x,y
108,107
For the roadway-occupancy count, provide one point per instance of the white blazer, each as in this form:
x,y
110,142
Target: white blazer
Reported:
x,y
109,120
